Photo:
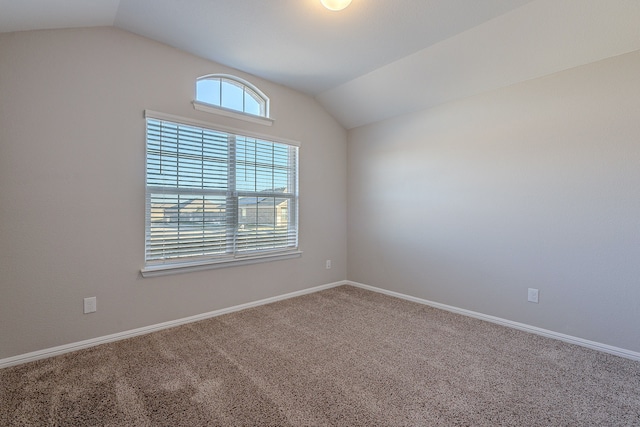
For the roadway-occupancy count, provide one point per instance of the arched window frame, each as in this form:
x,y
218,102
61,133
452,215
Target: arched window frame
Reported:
x,y
247,88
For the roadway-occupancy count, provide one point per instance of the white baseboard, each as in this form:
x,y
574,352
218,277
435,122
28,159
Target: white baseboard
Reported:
x,y
67,348
617,351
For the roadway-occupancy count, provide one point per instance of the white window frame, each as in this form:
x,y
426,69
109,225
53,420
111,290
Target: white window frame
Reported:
x,y
263,119
171,266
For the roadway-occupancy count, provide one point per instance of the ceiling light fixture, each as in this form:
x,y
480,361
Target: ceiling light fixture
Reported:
x,y
335,5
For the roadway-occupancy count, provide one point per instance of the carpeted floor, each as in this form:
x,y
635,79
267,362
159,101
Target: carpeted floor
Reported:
x,y
343,357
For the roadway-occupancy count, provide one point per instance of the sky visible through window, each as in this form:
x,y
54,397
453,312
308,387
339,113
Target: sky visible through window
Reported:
x,y
230,94
261,166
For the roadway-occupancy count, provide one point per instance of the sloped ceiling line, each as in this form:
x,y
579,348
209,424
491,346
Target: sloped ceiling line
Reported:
x,y
375,59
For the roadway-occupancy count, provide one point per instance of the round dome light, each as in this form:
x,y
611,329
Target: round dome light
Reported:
x,y
335,5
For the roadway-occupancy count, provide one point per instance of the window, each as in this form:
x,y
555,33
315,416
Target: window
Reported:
x,y
224,94
217,197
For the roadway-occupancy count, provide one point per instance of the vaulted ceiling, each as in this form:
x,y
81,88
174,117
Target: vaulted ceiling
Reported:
x,y
377,58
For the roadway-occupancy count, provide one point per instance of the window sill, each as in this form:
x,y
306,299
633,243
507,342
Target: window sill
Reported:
x,y
221,111
187,267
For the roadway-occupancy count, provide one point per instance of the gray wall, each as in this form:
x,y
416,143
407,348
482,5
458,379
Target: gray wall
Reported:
x,y
72,188
534,185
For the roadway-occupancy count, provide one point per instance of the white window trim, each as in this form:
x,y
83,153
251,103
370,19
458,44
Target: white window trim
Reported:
x,y
150,114
163,269
227,112
187,267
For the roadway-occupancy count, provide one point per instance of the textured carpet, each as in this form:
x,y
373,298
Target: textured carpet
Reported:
x,y
344,356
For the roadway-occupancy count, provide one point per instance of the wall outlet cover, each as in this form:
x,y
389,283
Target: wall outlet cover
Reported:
x,y
90,305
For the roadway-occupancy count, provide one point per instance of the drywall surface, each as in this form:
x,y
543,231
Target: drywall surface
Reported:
x,y
72,159
536,185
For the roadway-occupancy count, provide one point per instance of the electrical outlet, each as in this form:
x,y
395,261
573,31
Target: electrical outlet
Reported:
x,y
328,264
90,305
532,295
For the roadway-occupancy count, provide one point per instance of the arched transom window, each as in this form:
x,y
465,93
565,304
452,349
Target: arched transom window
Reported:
x,y
233,93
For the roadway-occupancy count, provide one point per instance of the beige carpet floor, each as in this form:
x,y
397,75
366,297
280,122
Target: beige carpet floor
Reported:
x,y
340,357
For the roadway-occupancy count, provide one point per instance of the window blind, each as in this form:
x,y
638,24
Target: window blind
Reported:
x,y
215,195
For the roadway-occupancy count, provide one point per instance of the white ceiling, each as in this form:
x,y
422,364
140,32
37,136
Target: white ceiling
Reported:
x,y
377,58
